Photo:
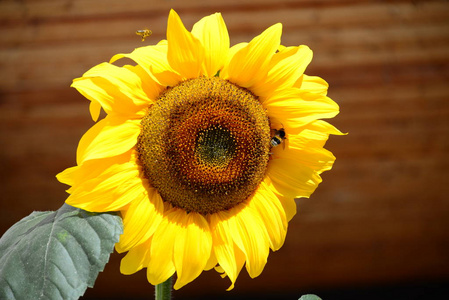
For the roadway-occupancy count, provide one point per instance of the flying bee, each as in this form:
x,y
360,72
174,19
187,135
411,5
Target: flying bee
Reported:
x,y
278,137
144,33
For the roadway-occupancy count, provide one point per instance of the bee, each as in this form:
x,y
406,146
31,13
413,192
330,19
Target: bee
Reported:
x,y
144,33
278,137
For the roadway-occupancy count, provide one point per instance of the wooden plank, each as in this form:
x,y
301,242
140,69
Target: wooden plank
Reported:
x,y
397,44
334,18
52,8
52,67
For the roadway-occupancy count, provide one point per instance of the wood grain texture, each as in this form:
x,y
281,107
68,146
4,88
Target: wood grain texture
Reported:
x,y
380,216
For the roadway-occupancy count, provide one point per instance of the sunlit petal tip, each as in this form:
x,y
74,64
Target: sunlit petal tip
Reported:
x,y
281,48
277,27
174,22
116,57
272,34
67,175
173,14
132,262
306,54
72,85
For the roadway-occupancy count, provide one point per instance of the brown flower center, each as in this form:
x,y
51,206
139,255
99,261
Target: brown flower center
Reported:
x,y
205,144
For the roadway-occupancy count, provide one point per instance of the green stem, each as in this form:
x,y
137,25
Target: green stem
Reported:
x,y
163,290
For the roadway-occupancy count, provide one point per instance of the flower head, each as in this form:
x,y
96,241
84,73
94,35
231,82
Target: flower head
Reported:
x,y
189,149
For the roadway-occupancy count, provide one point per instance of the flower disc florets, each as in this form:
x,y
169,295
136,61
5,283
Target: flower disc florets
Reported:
x,y
204,145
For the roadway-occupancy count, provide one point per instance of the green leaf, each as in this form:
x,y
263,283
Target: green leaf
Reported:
x,y
310,297
56,255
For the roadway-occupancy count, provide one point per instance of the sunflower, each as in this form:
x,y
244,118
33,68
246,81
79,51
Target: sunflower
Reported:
x,y
203,149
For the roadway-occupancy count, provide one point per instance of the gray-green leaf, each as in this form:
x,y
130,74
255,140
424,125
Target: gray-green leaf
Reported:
x,y
56,255
310,297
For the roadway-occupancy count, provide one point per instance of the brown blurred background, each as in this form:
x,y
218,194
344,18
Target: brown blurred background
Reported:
x,y
376,228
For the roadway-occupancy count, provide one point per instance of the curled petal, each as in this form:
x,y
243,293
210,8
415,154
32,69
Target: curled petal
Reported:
x,y
295,109
312,84
153,60
110,190
117,89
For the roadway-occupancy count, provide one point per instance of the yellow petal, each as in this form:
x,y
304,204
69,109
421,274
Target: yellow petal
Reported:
x,y
161,266
313,84
292,178
141,219
285,68
272,214
118,90
295,170
153,59
231,52
307,149
289,206
95,109
250,64
323,129
295,109
90,169
109,137
137,258
67,176
213,35
230,258
288,203
150,87
111,190
185,52
212,262
192,248
250,235
315,134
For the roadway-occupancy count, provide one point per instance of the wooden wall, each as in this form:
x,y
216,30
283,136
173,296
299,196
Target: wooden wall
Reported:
x,y
380,217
